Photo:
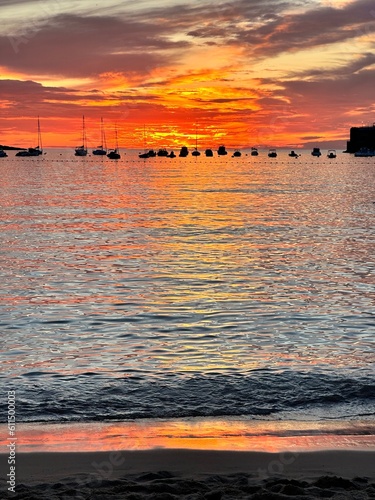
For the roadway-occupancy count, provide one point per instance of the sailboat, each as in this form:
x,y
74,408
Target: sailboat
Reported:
x,y
145,154
196,152
38,150
82,150
114,154
101,150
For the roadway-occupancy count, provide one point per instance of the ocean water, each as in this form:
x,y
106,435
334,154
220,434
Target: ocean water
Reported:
x,y
172,288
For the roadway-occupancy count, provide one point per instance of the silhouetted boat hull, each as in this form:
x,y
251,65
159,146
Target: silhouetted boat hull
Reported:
x,y
162,152
331,153
82,150
37,151
149,154
272,153
114,155
222,151
101,150
364,153
316,152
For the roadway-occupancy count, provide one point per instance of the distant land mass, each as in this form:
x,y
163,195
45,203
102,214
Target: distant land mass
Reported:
x,y
361,137
10,148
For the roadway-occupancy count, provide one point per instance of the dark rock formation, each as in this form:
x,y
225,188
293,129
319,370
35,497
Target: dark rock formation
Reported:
x,y
361,137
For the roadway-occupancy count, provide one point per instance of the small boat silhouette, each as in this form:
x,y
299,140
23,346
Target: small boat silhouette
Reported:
x,y
184,152
82,150
149,154
331,153
38,150
316,152
272,153
364,153
162,152
196,152
114,154
209,153
254,152
22,153
101,150
237,153
222,151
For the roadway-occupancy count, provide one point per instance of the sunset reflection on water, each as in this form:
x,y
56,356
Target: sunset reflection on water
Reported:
x,y
206,434
162,272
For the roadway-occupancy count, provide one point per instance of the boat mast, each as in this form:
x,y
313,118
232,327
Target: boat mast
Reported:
x,y
116,139
104,142
40,146
84,138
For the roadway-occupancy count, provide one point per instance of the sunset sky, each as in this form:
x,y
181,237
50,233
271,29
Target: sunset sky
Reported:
x,y
243,72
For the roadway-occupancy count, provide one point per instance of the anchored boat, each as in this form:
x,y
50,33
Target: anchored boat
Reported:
x,y
114,154
101,150
38,150
82,150
272,153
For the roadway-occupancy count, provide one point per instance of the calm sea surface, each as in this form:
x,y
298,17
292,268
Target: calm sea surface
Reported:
x,y
181,287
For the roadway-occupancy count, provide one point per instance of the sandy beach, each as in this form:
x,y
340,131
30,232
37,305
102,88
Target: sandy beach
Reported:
x,y
212,459
168,474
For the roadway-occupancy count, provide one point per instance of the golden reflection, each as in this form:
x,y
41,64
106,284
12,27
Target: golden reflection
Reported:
x,y
208,434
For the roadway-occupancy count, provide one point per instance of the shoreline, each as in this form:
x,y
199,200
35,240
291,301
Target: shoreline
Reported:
x,y
191,458
220,434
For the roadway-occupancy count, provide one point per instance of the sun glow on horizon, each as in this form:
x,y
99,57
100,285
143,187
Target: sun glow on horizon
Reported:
x,y
267,77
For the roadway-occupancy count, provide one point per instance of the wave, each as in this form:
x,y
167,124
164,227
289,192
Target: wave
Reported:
x,y
260,394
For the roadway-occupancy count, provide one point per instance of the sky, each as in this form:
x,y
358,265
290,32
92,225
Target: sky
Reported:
x,y
276,73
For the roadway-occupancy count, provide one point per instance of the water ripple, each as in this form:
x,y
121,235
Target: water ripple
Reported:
x,y
186,270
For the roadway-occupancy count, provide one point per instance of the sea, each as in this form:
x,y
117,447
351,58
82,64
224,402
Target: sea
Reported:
x,y
188,287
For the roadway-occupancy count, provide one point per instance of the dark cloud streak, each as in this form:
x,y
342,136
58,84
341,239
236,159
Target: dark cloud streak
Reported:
x,y
79,47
